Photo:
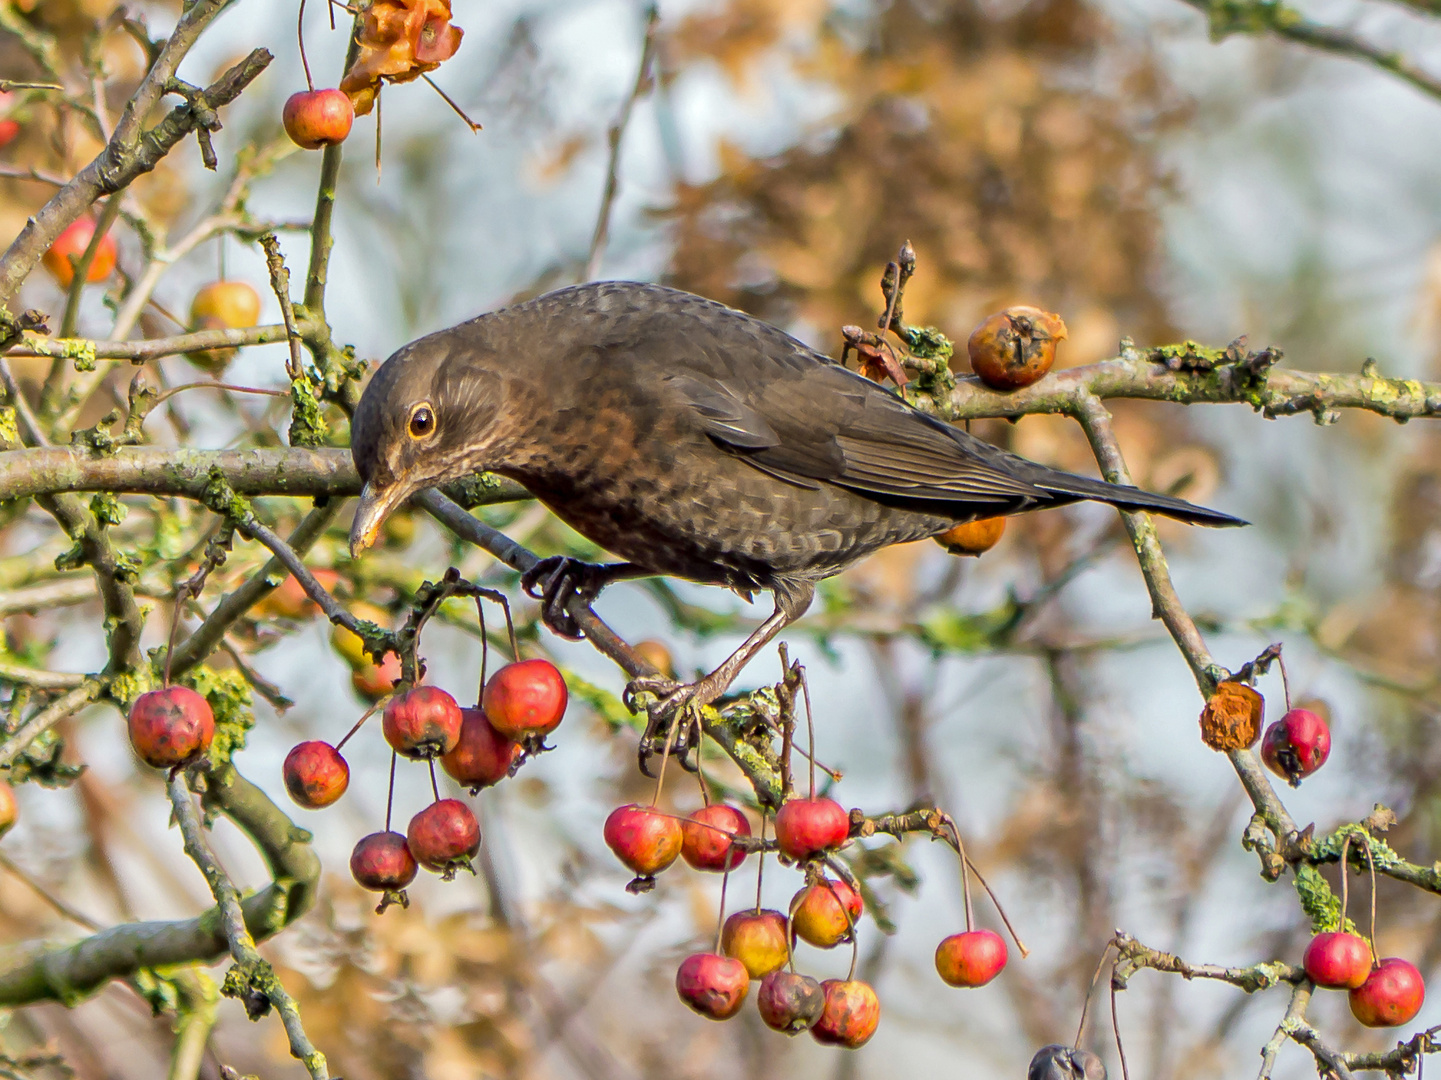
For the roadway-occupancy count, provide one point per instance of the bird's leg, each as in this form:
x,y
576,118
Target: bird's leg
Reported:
x,y
690,698
561,577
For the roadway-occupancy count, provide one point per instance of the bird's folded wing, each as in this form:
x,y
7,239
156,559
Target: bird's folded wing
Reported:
x,y
827,423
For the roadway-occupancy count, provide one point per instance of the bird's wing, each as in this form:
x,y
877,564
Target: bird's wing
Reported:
x,y
806,420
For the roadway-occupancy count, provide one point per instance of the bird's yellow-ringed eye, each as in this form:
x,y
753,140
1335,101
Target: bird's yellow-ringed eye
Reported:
x,y
422,422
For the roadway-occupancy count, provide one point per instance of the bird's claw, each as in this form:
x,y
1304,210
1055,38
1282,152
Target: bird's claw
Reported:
x,y
560,577
673,720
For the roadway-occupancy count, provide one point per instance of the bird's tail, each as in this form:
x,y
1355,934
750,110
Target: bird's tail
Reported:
x,y
1124,497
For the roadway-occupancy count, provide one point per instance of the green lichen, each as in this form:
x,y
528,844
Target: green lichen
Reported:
x,y
9,427
1321,905
230,700
108,510
307,421
160,991
80,351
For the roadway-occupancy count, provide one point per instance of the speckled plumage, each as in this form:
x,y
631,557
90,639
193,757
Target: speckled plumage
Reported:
x,y
694,440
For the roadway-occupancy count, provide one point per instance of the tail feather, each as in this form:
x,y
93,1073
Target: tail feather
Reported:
x,y
1125,497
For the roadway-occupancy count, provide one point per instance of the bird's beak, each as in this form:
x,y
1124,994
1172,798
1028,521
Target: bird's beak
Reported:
x,y
375,506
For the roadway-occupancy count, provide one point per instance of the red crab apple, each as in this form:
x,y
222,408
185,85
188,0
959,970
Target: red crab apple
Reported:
x,y
1391,995
706,837
647,840
170,726
9,809
1296,745
374,681
316,118
315,774
790,1003
714,986
423,722
850,1016
525,698
483,756
1338,960
806,826
382,863
818,912
757,939
971,959
9,127
444,837
73,241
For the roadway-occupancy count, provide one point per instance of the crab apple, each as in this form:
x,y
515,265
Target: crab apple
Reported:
x,y
374,681
1391,995
9,127
382,862
850,1016
315,774
647,840
423,722
972,537
790,1003
525,698
806,826
706,837
316,118
483,756
444,837
73,241
222,305
757,939
170,726
1296,745
819,912
656,654
1338,960
971,959
288,600
714,986
1015,347
9,808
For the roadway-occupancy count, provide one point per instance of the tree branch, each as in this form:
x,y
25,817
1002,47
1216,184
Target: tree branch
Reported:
x,y
67,973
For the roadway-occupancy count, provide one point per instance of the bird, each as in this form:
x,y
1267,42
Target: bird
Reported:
x,y
691,440
1057,1062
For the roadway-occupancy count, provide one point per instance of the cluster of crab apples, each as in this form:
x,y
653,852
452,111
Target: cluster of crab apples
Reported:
x,y
520,704
1384,993
757,944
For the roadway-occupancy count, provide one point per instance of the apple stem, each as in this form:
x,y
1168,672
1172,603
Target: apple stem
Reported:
x,y
300,36
1345,881
363,718
1091,989
484,650
1371,865
1285,682
220,253
434,787
955,841
330,8
790,935
721,918
378,95
761,870
700,776
810,726
390,793
665,755
474,127
1116,1030
965,877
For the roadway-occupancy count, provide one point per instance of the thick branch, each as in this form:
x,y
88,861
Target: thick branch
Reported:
x,y
157,470
67,973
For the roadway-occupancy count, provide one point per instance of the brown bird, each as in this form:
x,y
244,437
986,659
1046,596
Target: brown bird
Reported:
x,y
692,440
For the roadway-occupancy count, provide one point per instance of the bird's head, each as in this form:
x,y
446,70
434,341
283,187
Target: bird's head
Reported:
x,y
427,417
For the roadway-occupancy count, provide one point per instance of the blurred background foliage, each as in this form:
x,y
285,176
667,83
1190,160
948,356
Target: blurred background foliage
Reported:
x,y
1097,159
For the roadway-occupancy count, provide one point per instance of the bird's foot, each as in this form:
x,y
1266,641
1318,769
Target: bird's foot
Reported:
x,y
673,718
555,580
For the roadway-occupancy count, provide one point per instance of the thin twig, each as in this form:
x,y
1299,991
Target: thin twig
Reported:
x,y
615,136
